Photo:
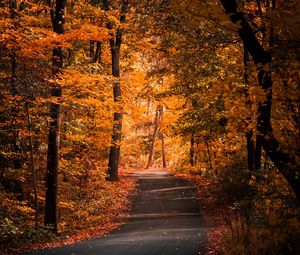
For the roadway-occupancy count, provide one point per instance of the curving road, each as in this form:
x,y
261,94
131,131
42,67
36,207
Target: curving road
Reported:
x,y
165,220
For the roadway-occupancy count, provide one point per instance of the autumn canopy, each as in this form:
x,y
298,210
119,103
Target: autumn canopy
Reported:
x,y
92,88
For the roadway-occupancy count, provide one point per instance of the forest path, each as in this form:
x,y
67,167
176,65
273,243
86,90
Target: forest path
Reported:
x,y
165,220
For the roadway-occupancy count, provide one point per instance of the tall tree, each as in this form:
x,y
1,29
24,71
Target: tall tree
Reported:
x,y
163,150
115,47
95,53
285,162
58,22
16,148
157,126
192,150
32,165
253,142
162,137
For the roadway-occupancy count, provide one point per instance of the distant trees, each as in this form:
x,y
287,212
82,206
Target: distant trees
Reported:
x,y
157,131
203,52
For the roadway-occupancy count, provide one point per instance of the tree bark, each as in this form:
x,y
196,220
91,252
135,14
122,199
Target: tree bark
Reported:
x,y
154,136
58,21
16,148
192,150
95,53
115,46
163,150
197,153
32,166
257,52
12,7
249,135
250,151
97,57
257,153
92,49
283,160
209,155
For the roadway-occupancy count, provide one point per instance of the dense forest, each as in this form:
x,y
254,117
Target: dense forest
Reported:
x,y
94,89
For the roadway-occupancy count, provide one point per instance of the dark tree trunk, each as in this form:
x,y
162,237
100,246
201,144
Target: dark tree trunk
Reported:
x,y
114,154
250,151
115,46
192,150
258,54
197,152
58,21
13,83
97,57
95,53
249,134
16,148
257,153
283,160
92,49
32,165
12,7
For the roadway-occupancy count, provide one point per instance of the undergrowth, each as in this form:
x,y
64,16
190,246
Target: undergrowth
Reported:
x,y
94,209
251,214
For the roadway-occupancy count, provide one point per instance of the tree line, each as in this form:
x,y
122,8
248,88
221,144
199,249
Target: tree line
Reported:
x,y
217,77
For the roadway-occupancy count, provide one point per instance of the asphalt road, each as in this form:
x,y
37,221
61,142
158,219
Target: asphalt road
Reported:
x,y
165,220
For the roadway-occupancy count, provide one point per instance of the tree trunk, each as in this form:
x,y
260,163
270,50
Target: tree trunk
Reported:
x,y
257,153
209,155
283,160
92,49
250,151
163,150
16,148
97,57
155,133
12,7
249,135
32,166
114,154
15,139
192,150
115,46
58,21
197,153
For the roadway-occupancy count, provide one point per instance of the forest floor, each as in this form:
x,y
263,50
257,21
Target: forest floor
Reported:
x,y
166,219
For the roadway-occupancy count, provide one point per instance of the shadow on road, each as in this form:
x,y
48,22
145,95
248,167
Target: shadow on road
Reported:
x,y
165,220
